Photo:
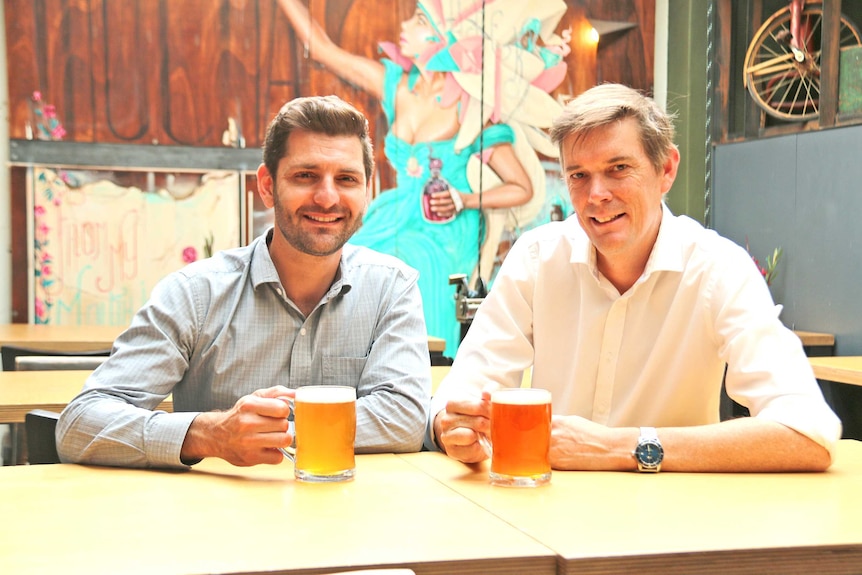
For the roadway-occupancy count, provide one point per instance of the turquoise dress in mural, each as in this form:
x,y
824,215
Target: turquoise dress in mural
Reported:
x,y
395,225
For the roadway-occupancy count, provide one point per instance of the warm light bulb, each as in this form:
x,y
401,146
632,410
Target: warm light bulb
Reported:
x,y
594,36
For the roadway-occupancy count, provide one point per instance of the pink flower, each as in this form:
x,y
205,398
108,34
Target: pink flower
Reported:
x,y
46,270
37,96
39,211
413,167
58,132
190,254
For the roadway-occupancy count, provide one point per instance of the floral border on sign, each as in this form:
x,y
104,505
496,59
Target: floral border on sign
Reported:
x,y
54,188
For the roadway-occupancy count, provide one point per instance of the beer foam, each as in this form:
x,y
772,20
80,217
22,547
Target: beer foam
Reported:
x,y
521,396
325,394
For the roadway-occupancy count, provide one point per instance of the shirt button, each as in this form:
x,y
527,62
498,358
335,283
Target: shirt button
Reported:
x,y
302,331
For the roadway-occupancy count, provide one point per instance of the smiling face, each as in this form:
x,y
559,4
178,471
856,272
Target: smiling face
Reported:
x,y
319,194
417,35
616,192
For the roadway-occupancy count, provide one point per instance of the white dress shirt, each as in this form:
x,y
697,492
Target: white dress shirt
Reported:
x,y
653,356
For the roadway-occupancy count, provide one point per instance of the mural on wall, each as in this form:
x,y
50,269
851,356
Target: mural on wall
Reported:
x,y
415,69
456,127
99,247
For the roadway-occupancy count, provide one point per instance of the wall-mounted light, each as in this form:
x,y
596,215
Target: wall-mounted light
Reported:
x,y
603,28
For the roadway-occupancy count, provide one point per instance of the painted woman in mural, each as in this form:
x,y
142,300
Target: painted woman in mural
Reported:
x,y
447,122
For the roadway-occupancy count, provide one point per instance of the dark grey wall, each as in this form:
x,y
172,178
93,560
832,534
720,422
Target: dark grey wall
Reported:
x,y
803,192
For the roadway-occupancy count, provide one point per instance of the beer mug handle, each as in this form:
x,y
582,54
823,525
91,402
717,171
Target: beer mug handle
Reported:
x,y
485,442
290,451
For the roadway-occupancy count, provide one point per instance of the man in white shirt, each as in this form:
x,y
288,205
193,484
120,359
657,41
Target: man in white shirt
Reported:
x,y
628,315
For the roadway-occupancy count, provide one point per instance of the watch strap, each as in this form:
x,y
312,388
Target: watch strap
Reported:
x,y
648,433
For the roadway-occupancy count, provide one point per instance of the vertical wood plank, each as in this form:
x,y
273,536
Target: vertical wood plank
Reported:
x,y
21,56
19,217
721,79
829,62
127,44
753,116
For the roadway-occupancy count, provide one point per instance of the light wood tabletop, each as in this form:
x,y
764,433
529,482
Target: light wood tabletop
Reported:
x,y
59,337
675,523
80,338
23,391
815,338
843,369
436,344
222,519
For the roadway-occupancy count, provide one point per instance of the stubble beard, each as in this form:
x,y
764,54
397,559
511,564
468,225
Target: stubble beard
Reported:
x,y
321,244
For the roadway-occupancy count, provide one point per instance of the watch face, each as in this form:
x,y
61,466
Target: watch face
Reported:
x,y
649,453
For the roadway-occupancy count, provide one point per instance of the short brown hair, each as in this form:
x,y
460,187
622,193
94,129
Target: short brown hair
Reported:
x,y
608,103
328,115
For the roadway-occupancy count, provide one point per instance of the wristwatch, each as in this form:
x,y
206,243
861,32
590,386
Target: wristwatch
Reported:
x,y
649,452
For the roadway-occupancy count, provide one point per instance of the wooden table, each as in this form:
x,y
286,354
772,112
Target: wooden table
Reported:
x,y
842,369
78,338
221,519
436,344
22,391
675,523
815,338
59,337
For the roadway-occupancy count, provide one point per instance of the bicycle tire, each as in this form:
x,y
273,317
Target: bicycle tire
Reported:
x,y
780,85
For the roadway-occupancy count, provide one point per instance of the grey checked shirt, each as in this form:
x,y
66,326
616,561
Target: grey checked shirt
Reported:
x,y
222,328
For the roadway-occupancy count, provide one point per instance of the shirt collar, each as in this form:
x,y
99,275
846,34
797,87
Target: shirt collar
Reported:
x,y
666,254
263,269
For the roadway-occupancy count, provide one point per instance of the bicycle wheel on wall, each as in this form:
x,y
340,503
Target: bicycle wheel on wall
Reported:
x,y
787,85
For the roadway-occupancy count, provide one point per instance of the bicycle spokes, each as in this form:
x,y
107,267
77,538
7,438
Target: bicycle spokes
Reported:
x,y
782,65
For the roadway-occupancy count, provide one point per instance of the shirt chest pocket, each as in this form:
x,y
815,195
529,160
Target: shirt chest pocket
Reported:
x,y
343,370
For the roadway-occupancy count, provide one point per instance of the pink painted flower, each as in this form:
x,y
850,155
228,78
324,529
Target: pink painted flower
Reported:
x,y
39,211
190,254
413,167
40,308
37,96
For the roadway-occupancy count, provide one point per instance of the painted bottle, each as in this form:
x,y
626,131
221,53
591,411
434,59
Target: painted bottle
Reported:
x,y
435,184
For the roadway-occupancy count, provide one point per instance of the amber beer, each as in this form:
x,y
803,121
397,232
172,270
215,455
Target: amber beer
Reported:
x,y
520,437
325,417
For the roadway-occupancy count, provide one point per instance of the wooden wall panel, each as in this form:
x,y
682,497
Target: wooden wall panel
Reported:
x,y
582,71
127,53
626,56
278,71
173,71
21,45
